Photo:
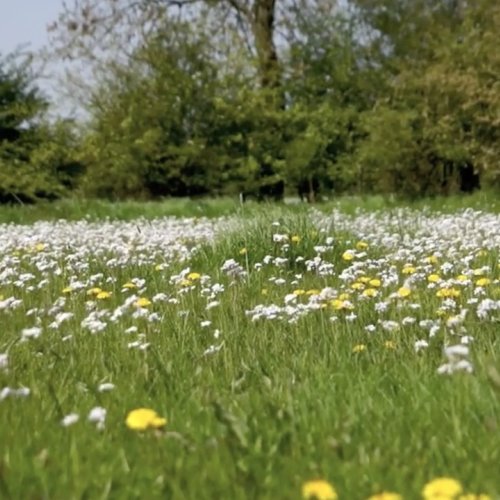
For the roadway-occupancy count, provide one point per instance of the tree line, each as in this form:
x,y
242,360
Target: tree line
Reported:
x,y
218,97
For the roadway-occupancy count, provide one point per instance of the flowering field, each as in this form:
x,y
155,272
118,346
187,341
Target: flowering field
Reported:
x,y
294,354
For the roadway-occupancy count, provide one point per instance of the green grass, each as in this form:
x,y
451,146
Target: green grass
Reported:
x,y
278,405
76,209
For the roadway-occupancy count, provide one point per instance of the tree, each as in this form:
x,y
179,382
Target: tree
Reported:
x,y
34,154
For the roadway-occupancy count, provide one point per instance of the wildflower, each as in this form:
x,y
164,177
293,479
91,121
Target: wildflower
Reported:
x,y
129,285
483,282
70,419
375,283
318,490
193,276
473,496
432,259
94,291
22,392
103,295
442,488
407,269
142,302
40,247
67,290
264,291
404,292
243,251
299,292
295,238
359,348
386,495
370,292
106,387
361,245
348,255
446,293
144,418
433,278
391,345
97,415
358,286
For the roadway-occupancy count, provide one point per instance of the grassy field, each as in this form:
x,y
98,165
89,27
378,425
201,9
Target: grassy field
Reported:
x,y
355,343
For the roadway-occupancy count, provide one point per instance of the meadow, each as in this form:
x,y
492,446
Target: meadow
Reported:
x,y
210,351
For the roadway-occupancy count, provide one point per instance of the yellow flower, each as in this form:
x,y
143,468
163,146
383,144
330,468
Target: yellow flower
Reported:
x,y
67,289
357,286
370,292
432,259
359,348
142,302
94,291
447,293
386,495
442,488
361,245
375,283
404,292
407,269
295,238
344,296
299,291
433,278
185,282
313,291
40,246
103,295
483,282
243,251
318,490
193,276
144,418
129,285
338,304
348,255
158,267
264,291
462,277
390,344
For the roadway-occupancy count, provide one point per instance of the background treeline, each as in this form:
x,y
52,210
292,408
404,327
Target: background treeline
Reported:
x,y
186,98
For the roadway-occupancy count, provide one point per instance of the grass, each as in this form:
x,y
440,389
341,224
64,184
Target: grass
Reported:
x,y
280,403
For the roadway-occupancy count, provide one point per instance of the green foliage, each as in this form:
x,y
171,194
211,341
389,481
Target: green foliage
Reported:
x,y
36,157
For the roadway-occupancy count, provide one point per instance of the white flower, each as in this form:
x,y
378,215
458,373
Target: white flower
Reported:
x,y
4,361
31,333
420,345
106,387
97,415
70,419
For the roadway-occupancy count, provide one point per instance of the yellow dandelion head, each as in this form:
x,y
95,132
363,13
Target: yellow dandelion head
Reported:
x,y
243,251
359,348
193,276
348,255
361,245
142,419
386,495
483,282
404,292
433,278
103,295
142,302
318,490
442,488
295,238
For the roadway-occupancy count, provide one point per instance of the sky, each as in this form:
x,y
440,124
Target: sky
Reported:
x,y
25,22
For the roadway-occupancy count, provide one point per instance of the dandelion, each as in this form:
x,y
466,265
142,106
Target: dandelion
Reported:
x,y
483,282
129,285
361,245
407,269
390,344
404,292
348,255
359,348
446,293
375,283
142,419
243,251
318,490
103,295
193,276
142,302
433,278
295,238
386,495
442,488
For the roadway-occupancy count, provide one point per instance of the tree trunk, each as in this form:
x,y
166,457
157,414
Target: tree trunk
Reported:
x,y
263,31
